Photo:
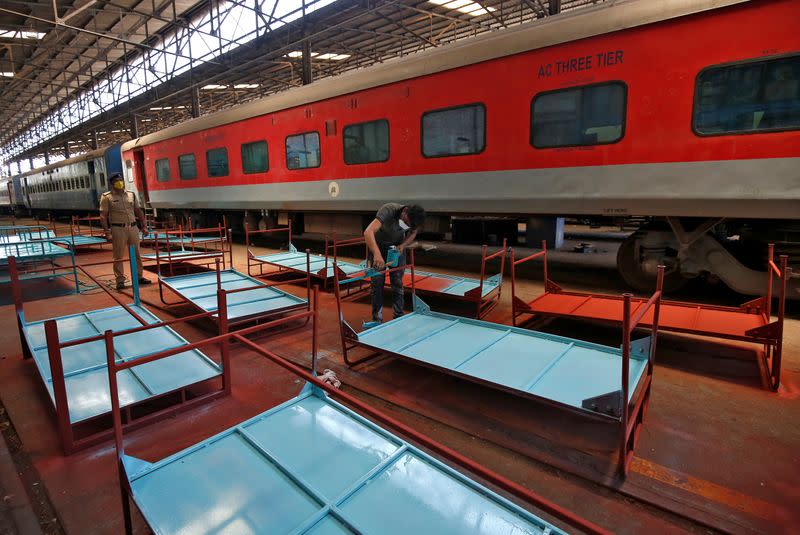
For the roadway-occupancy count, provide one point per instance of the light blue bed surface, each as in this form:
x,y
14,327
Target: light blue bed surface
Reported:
x,y
296,260
313,466
201,289
557,368
85,368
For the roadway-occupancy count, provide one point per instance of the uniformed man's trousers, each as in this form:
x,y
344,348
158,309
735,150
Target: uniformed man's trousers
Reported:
x,y
121,239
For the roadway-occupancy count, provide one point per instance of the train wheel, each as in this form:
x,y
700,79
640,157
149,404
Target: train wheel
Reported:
x,y
630,267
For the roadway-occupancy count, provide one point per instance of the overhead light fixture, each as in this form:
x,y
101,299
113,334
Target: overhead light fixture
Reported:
x,y
245,86
468,7
214,86
7,74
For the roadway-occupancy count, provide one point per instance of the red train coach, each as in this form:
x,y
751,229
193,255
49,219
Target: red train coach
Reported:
x,y
686,110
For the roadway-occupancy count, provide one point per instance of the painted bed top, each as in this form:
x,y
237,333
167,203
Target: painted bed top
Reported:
x,y
85,367
524,362
296,260
180,253
176,239
19,234
695,318
201,289
441,283
81,240
312,465
31,250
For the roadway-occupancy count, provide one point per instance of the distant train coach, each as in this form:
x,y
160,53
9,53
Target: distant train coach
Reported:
x,y
72,185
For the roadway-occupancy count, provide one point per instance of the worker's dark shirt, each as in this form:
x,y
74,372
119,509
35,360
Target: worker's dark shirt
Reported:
x,y
390,232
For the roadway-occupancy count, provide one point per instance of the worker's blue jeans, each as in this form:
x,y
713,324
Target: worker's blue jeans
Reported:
x,y
378,283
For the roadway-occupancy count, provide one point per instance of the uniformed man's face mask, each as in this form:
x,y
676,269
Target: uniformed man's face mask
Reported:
x,y
403,224
119,184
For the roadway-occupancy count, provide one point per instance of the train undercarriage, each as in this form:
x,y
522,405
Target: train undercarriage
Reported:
x,y
717,250
733,252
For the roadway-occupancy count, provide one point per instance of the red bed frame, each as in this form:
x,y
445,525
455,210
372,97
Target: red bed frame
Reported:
x,y
750,322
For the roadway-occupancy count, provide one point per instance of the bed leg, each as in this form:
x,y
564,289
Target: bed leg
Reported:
x,y
59,386
222,315
126,504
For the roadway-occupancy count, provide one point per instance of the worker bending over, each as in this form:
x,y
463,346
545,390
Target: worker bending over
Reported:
x,y
394,225
119,213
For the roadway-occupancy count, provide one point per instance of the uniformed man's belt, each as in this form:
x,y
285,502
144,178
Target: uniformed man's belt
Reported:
x,y
122,224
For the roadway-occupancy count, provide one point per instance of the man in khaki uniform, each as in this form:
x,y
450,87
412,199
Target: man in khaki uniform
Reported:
x,y
119,212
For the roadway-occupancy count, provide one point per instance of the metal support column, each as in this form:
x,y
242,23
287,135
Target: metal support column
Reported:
x,y
195,102
553,7
306,72
93,139
134,126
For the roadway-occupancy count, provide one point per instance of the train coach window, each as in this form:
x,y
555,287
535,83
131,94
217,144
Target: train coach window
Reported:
x,y
162,170
454,131
302,151
187,167
217,162
756,96
366,142
255,157
588,115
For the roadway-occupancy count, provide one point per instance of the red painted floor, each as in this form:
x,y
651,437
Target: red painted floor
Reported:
x,y
717,449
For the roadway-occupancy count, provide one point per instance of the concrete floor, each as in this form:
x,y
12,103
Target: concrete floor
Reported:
x,y
717,452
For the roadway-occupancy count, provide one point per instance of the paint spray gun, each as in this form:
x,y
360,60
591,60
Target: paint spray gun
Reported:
x,y
392,256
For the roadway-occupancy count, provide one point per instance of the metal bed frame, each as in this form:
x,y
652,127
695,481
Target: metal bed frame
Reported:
x,y
78,237
216,245
320,267
315,465
257,299
750,322
483,292
19,233
569,374
178,237
33,247
69,356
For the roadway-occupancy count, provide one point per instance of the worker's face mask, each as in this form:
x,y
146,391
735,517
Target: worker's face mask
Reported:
x,y
403,224
119,184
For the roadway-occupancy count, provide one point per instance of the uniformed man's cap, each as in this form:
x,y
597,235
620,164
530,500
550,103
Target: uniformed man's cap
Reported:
x,y
113,178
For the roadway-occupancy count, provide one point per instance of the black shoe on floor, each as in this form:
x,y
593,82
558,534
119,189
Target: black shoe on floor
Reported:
x,y
120,286
145,281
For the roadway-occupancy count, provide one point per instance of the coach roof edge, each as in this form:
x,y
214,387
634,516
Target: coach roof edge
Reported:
x,y
571,26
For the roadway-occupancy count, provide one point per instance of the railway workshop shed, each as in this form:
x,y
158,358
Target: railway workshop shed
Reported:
x,y
408,266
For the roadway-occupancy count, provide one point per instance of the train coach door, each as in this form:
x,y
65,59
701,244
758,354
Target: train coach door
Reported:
x,y
139,178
